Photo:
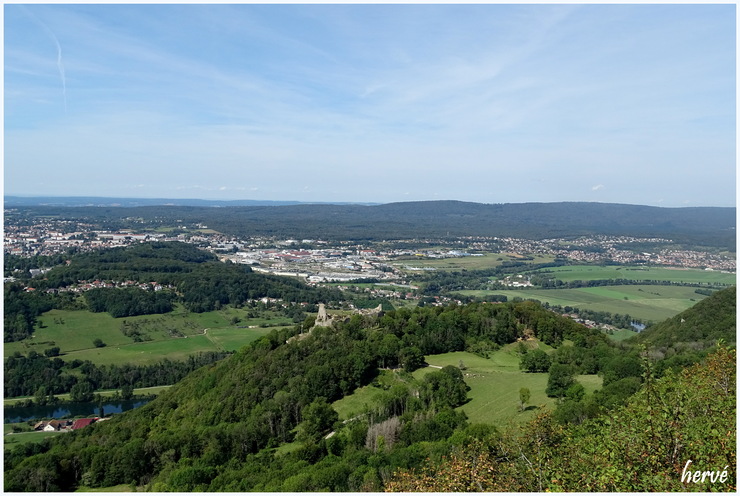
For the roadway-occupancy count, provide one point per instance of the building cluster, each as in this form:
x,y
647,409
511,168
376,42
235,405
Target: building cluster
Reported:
x,y
65,424
322,261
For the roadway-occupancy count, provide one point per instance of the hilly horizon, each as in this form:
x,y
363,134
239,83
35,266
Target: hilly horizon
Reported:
x,y
697,226
115,201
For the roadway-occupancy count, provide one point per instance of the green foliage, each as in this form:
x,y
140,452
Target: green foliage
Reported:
x,y
411,358
444,388
127,302
535,361
82,391
24,375
560,379
524,396
21,309
203,282
318,418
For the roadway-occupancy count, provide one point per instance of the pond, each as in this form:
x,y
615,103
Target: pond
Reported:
x,y
22,414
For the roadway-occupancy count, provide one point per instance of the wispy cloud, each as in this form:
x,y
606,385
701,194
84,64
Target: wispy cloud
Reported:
x,y
52,36
462,100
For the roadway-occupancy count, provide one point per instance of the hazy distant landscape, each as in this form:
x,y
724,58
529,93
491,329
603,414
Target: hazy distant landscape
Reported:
x,y
355,248
107,304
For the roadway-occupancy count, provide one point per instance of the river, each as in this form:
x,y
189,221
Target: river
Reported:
x,y
22,414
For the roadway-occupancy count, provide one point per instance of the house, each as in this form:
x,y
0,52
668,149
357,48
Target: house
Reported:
x,y
80,423
49,425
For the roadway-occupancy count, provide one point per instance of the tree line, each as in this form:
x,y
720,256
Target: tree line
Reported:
x,y
42,376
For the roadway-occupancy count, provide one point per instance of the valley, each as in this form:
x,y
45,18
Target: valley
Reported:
x,y
430,343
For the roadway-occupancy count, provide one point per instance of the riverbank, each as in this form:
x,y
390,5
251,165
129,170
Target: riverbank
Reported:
x,y
64,398
71,410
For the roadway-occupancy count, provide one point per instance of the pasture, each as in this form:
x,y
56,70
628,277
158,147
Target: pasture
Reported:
x,y
647,303
638,273
17,439
495,383
174,335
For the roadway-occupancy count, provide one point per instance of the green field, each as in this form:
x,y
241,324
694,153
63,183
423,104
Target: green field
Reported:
x,y
174,335
638,273
352,405
487,261
622,334
11,440
647,303
495,383
494,386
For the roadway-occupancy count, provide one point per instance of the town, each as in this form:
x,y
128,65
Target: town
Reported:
x,y
324,261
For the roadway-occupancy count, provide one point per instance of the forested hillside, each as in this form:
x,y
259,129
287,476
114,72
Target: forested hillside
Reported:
x,y
672,428
699,327
703,226
260,420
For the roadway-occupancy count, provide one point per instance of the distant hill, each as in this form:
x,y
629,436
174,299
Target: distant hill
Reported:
x,y
699,327
99,201
705,226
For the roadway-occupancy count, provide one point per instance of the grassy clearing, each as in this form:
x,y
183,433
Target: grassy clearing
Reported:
x,y
639,273
11,440
650,303
7,428
494,386
232,339
352,405
495,383
621,335
120,488
142,353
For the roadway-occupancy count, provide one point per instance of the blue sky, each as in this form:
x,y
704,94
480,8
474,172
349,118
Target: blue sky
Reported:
x,y
373,103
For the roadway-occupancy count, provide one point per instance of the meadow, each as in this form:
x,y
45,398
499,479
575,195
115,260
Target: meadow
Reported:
x,y
174,335
648,303
494,386
16,439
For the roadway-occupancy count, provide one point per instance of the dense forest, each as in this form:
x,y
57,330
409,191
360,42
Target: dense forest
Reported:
x,y
701,226
221,427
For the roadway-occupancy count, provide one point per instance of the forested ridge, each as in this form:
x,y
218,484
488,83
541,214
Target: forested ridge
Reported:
x,y
219,427
707,226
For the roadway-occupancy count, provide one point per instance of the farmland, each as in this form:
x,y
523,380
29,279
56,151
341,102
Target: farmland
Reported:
x,y
638,273
484,261
645,302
